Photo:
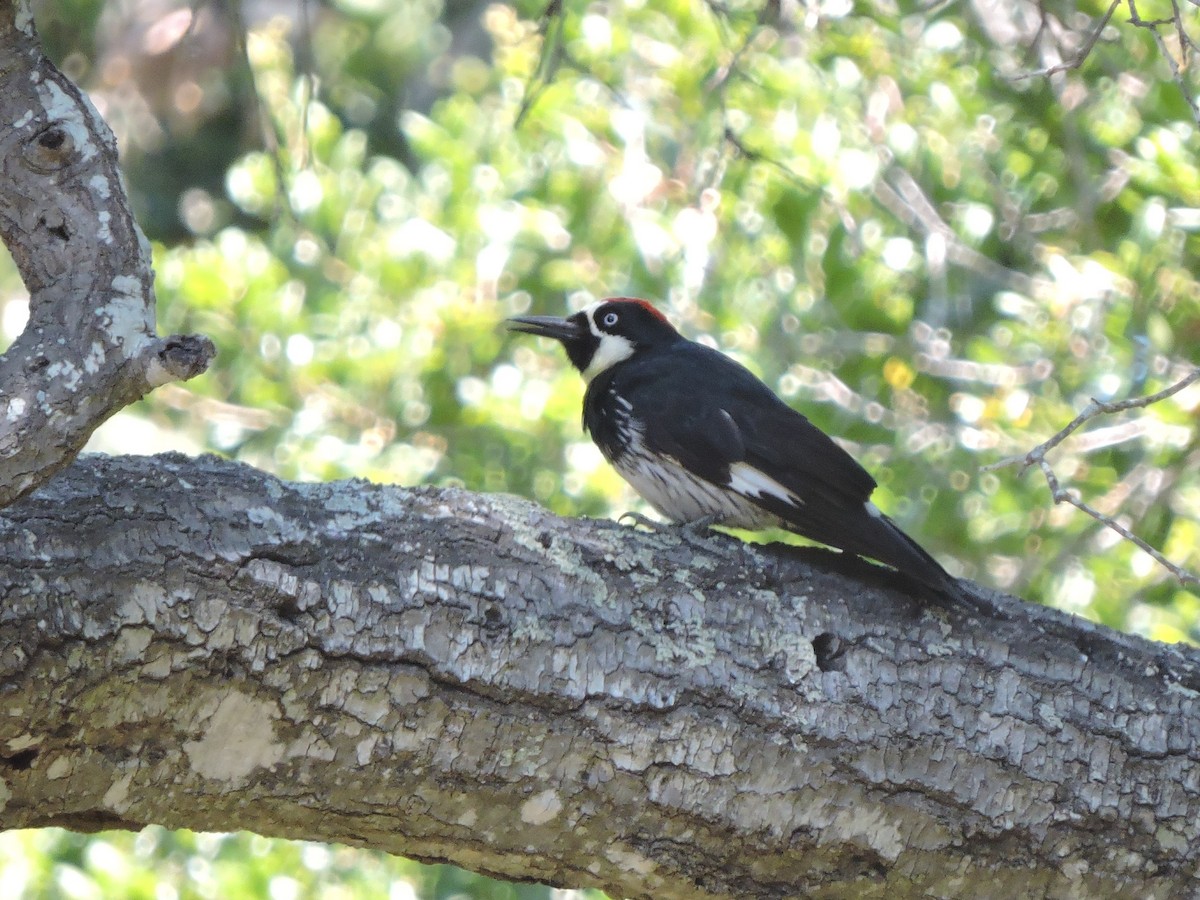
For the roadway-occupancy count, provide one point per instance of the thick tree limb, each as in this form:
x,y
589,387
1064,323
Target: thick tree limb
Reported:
x,y
89,347
469,678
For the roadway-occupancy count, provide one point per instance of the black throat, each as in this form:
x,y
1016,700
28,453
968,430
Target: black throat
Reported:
x,y
580,350
602,417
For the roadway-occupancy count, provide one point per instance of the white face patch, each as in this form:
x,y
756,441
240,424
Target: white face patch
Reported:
x,y
750,482
611,350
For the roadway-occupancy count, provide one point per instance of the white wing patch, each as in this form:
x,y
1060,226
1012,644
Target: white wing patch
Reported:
x,y
750,482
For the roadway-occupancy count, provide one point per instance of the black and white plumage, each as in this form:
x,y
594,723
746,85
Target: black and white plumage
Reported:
x,y
699,437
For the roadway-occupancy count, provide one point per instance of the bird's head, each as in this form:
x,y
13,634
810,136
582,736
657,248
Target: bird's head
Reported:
x,y
603,334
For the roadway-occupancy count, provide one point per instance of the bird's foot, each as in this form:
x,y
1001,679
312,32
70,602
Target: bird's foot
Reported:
x,y
693,532
646,522
696,532
700,525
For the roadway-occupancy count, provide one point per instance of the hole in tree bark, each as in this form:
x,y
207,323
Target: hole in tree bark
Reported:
x,y
20,762
60,230
493,618
93,820
51,139
50,150
288,608
830,651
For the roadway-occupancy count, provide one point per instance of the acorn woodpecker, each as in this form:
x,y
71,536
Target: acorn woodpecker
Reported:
x,y
703,440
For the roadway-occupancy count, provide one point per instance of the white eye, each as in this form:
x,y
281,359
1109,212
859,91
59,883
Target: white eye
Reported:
x,y
609,320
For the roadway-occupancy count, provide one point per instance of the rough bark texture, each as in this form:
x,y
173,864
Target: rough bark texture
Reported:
x,y
469,678
466,678
89,347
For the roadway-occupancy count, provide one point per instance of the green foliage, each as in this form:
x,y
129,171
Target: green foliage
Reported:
x,y
156,863
935,258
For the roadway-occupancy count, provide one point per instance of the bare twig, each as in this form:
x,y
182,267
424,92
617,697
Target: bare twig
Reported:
x,y
1093,409
1037,457
1042,29
732,139
899,193
1185,39
1062,495
551,30
1177,66
270,138
719,80
1176,21
1079,58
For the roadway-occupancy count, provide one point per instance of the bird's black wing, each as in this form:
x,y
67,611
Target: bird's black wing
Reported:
x,y
732,430
724,415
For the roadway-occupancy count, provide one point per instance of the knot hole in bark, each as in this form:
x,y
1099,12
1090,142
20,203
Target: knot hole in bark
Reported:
x,y
20,761
830,651
50,149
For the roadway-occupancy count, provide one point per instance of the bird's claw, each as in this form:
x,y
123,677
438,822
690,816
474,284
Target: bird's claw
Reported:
x,y
692,532
638,519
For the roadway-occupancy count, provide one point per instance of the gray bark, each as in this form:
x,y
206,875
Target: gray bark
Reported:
x,y
468,678
89,347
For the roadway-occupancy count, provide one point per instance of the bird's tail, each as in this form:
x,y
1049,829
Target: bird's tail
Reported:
x,y
891,545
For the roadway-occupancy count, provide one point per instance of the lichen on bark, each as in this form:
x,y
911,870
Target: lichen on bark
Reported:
x,y
468,678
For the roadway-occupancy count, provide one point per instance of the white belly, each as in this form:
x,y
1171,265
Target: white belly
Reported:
x,y
682,497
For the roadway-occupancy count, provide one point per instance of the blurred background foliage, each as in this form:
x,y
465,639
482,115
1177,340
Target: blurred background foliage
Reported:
x,y
892,212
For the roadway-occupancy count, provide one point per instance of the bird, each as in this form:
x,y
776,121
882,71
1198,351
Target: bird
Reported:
x,y
704,441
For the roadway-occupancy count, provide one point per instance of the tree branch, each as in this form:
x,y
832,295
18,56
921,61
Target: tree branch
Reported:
x,y
469,678
1037,457
1185,41
89,347
1077,60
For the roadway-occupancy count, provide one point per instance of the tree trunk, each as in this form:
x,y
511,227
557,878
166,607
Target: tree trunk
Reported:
x,y
470,679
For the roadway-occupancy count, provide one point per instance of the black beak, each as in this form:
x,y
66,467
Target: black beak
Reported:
x,y
547,326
